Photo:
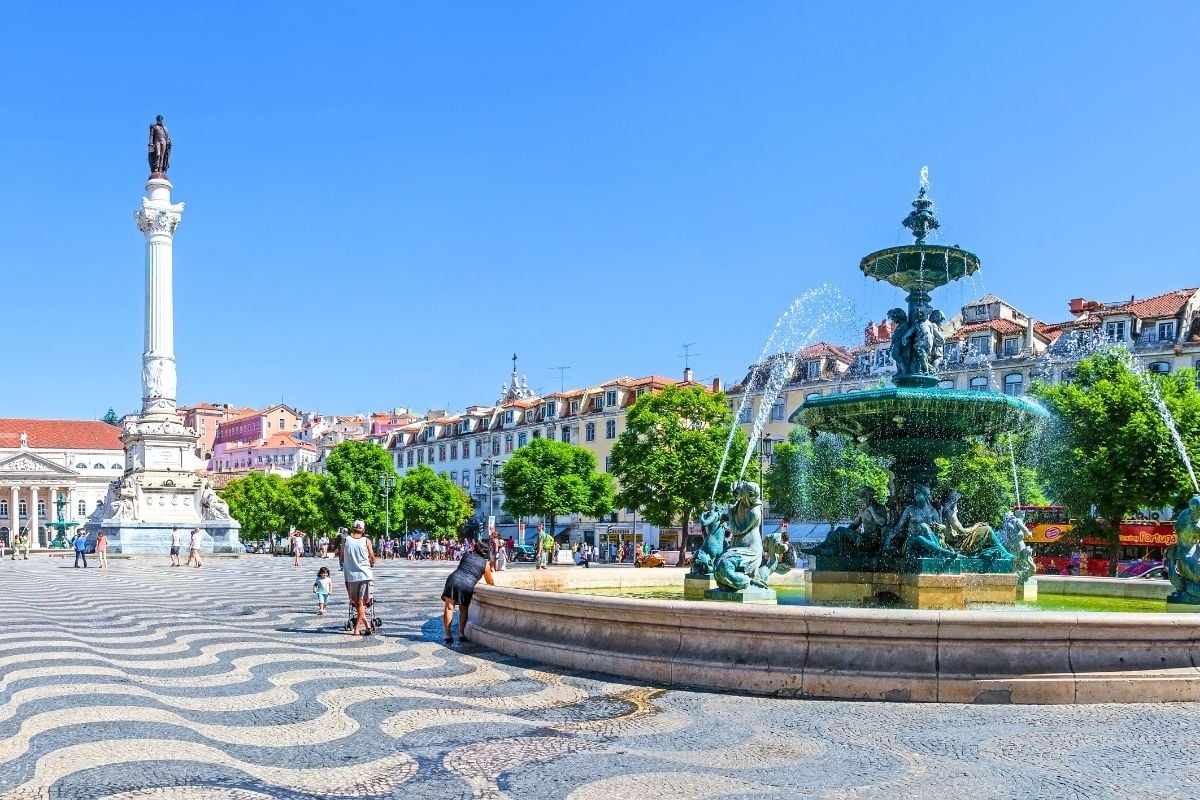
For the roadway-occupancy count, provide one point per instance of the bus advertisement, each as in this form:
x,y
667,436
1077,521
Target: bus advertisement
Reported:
x,y
1056,550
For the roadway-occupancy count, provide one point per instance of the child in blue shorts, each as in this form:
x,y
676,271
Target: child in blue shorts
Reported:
x,y
322,586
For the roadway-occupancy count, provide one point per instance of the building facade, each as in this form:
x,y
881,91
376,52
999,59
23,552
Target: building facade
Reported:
x,y
45,461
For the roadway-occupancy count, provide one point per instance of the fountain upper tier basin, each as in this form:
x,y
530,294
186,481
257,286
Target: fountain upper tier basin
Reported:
x,y
901,421
919,267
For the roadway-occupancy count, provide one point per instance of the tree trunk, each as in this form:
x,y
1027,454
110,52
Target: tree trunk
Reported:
x,y
1114,552
684,525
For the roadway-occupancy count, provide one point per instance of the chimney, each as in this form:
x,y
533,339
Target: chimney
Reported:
x,y
1077,304
716,385
687,374
1029,334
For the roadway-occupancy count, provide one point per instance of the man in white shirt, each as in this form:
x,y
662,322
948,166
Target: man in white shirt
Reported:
x,y
176,543
194,549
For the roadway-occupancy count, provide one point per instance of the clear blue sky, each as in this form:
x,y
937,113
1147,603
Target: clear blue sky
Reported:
x,y
385,200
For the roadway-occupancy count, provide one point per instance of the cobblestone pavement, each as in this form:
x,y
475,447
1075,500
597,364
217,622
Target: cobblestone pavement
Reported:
x,y
223,684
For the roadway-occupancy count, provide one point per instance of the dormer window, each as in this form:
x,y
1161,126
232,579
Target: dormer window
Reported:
x,y
597,403
1011,347
1115,331
610,398
551,408
813,370
508,417
981,345
574,406
1166,331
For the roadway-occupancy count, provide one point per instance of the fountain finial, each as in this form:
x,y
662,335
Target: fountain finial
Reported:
x,y
921,220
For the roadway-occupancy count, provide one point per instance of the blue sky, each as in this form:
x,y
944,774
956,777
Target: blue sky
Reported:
x,y
386,200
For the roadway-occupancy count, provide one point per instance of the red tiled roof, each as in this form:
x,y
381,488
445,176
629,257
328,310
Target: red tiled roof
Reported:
x,y
824,349
1168,304
284,439
69,434
1001,326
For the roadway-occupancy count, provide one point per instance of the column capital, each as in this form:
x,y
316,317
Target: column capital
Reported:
x,y
158,218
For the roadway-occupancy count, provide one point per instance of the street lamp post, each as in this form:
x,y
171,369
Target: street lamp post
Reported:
x,y
488,479
386,484
763,445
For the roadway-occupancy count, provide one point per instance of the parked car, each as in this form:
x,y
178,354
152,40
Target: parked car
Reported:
x,y
1138,569
524,552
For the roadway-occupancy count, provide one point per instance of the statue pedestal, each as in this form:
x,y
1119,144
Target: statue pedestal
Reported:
x,y
1183,608
754,594
694,588
129,537
1027,592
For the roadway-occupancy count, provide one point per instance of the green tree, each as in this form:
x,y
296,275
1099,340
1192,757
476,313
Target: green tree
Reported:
x,y
352,491
433,503
1108,452
548,478
304,504
984,478
787,482
257,501
110,417
666,459
839,471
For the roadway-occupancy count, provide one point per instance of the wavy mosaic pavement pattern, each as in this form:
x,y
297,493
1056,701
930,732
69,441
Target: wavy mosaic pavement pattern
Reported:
x,y
223,684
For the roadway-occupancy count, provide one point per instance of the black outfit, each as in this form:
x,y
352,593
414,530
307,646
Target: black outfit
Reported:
x,y
461,583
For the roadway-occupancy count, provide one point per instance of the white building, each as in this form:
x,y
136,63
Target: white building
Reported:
x,y
43,460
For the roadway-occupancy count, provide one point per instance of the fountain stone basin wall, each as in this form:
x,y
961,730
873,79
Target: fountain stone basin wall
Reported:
x,y
847,653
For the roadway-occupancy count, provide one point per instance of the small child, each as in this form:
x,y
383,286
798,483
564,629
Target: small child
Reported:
x,y
322,586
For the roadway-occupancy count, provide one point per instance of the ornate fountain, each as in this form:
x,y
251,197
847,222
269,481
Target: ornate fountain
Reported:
x,y
915,552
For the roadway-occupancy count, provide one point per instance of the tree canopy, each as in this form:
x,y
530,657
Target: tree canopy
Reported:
x,y
352,473
821,477
432,503
304,504
1108,452
110,417
984,478
546,478
257,501
666,459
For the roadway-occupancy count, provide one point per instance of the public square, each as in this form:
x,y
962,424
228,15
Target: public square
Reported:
x,y
145,681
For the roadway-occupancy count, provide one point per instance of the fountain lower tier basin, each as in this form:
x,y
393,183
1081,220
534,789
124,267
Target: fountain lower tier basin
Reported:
x,y
919,267
926,591
848,653
900,421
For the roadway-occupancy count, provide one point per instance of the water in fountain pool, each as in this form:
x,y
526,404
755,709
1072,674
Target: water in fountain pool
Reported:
x,y
794,596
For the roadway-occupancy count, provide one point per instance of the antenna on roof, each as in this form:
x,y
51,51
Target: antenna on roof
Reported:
x,y
562,381
688,355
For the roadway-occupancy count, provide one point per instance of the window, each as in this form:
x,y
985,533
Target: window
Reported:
x,y
1115,331
777,410
882,357
115,466
522,439
610,429
812,395
441,452
1014,384
979,383
508,443
454,452
529,415
589,432
574,406
466,481
551,408
566,435
495,445
813,370
953,354
479,448
410,458
81,465
454,476
464,426
610,398
640,392
3,508
429,456
746,415
537,434
1166,331
508,417
608,463
1161,367
597,403
1011,347
981,344
281,423
42,508
421,456
945,384
97,466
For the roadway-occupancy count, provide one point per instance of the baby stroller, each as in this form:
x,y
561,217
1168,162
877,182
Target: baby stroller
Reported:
x,y
374,621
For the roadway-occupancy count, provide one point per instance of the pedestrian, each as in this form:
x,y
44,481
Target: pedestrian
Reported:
x,y
359,559
102,548
545,546
194,549
297,546
388,549
323,545
322,586
176,543
460,585
81,549
341,548
581,556
22,545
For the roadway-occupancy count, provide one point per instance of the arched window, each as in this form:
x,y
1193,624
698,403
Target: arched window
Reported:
x,y
81,465
812,395
3,508
1161,367
979,383
115,466
83,508
97,466
1014,384
945,384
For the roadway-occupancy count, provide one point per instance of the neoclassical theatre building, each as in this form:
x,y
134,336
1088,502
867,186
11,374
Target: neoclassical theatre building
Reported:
x,y
42,460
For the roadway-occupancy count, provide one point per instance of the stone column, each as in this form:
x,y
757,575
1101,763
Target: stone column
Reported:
x,y
51,513
34,541
14,519
157,220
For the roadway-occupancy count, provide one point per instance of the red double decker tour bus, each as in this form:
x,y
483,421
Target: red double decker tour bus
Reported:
x,y
1057,550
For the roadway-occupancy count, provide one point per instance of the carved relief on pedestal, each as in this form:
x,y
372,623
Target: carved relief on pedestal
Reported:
x,y
158,382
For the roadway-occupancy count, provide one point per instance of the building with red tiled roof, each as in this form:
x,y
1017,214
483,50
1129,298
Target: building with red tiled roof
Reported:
x,y
43,461
281,453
